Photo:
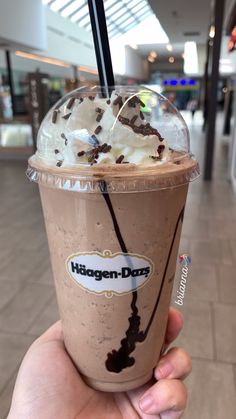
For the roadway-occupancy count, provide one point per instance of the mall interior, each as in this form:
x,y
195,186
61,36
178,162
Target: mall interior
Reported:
x,y
183,50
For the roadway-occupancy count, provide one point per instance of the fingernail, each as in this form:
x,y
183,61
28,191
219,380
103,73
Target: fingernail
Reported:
x,y
163,370
146,402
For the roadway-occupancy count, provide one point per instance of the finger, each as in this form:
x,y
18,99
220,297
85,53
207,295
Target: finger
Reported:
x,y
174,325
164,396
175,364
54,333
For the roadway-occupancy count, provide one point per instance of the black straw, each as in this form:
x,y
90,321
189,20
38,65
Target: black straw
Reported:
x,y
101,43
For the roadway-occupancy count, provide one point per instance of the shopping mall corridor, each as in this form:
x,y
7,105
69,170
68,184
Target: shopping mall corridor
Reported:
x,y
27,298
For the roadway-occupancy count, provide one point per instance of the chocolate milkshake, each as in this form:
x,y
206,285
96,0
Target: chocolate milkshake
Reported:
x,y
113,185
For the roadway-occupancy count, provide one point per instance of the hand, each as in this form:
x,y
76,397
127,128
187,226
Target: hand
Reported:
x,y
49,386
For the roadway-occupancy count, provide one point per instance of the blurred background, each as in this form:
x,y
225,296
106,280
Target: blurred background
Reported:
x,y
184,50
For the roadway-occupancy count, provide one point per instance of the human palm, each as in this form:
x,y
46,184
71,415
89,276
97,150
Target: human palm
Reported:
x,y
49,386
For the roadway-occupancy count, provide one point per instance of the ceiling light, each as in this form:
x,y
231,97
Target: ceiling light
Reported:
x,y
171,60
212,32
47,60
151,59
190,58
87,69
153,54
169,47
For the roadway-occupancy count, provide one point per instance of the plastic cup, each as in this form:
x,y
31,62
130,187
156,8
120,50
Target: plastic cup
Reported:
x,y
113,233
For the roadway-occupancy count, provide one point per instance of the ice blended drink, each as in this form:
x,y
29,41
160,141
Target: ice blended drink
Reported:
x,y
113,175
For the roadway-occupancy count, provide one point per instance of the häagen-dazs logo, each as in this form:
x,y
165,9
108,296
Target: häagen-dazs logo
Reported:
x,y
109,273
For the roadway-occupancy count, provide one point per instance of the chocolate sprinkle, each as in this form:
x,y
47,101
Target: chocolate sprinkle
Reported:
x,y
132,103
81,153
141,115
124,120
98,129
67,116
142,129
94,153
98,110
107,149
108,101
99,117
91,97
118,101
54,116
56,151
59,163
132,121
120,158
103,147
135,100
70,103
64,138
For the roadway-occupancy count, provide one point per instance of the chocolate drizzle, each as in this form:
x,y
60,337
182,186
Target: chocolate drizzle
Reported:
x,y
119,359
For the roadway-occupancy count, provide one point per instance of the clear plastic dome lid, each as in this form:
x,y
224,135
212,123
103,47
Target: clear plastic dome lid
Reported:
x,y
131,129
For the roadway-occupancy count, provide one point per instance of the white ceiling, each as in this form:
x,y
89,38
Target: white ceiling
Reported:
x,y
183,16
179,17
182,20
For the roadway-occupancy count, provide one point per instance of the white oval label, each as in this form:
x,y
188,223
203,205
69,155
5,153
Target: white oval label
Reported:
x,y
109,273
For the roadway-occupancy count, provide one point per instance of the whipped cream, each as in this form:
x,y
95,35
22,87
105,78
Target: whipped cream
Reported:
x,y
94,130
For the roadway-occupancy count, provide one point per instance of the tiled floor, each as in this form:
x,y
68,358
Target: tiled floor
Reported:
x,y
27,299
